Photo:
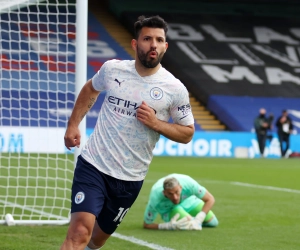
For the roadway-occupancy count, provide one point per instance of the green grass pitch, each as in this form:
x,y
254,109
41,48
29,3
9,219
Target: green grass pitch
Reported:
x,y
257,205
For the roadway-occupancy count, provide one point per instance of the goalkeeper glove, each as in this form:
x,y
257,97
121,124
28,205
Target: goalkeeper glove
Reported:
x,y
200,217
194,223
174,223
198,220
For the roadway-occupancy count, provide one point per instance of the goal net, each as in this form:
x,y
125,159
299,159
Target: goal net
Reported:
x,y
37,93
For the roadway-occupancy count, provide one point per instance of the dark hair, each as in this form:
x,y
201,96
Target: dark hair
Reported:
x,y
151,22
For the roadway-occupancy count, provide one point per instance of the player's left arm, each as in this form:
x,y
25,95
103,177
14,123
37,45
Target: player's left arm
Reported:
x,y
172,131
209,201
203,194
195,223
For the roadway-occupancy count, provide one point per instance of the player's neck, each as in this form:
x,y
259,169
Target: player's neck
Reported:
x,y
143,71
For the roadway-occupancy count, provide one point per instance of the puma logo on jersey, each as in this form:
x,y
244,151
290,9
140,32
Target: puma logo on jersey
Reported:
x,y
116,80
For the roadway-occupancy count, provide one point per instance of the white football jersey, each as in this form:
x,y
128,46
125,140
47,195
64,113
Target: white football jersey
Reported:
x,y
120,145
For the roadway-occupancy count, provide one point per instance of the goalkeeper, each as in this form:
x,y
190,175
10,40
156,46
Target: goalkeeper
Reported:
x,y
182,203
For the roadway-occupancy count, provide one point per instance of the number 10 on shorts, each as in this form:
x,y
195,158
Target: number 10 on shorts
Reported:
x,y
121,214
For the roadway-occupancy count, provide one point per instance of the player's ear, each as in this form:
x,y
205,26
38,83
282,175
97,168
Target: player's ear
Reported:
x,y
167,45
133,44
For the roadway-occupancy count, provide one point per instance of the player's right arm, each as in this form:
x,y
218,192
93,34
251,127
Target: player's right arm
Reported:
x,y
150,226
86,99
150,215
173,224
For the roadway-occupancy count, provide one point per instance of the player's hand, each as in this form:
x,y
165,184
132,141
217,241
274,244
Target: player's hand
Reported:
x,y
172,225
190,223
193,223
183,223
72,137
196,223
146,115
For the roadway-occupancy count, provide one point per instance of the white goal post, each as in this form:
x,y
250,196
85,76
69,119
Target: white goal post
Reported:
x,y
43,66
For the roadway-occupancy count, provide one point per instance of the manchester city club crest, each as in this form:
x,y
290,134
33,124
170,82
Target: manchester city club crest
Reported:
x,y
79,197
156,93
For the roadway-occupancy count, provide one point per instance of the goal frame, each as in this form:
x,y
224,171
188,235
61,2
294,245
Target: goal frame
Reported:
x,y
80,79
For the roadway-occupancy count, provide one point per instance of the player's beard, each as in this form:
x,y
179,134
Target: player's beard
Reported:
x,y
150,63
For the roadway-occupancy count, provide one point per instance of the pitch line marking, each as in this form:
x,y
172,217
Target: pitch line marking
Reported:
x,y
140,242
116,235
266,187
244,184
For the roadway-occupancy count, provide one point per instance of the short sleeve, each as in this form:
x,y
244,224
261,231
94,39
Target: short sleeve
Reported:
x,y
197,189
181,111
150,214
98,79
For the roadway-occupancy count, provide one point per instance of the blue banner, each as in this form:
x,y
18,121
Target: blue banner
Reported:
x,y
222,144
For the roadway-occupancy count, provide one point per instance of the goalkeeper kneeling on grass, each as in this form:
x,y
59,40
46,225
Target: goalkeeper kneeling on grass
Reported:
x,y
182,203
